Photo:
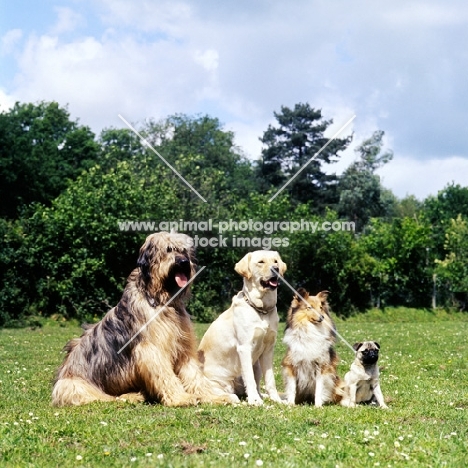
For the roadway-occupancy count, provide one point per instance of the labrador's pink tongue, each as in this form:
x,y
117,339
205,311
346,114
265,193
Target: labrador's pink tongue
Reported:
x,y
181,280
273,283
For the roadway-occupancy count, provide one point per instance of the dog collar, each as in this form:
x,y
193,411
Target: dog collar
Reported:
x,y
251,304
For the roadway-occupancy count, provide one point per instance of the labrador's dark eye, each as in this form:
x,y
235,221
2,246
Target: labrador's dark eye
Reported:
x,y
261,261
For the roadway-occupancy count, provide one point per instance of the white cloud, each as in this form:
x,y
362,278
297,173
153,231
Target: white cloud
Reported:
x,y
10,40
246,137
208,59
101,78
67,21
425,14
168,16
6,101
399,66
409,176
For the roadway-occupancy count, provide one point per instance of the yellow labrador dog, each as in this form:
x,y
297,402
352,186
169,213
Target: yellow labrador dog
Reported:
x,y
237,348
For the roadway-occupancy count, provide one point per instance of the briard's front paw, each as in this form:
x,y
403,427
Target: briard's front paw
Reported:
x,y
131,397
182,400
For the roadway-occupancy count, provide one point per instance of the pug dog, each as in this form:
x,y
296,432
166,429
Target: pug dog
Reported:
x,y
361,383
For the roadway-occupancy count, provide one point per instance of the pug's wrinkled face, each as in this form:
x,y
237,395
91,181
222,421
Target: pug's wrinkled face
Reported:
x,y
367,352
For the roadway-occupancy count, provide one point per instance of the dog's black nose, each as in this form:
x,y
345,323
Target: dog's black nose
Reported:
x,y
181,261
321,317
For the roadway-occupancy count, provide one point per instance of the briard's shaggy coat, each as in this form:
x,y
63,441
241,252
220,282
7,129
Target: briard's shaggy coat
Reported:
x,y
112,361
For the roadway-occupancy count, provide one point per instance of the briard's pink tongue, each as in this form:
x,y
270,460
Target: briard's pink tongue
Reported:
x,y
181,280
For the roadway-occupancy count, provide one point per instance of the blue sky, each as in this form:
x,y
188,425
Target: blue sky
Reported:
x,y
399,66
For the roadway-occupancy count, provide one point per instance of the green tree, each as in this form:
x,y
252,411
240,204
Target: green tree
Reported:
x,y
407,207
319,259
41,149
361,193
453,269
76,256
441,209
206,155
293,143
74,252
403,263
118,145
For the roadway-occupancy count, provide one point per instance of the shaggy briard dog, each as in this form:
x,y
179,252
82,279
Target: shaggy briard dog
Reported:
x,y
132,355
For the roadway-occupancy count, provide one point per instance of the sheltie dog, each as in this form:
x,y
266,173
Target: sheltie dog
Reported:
x,y
309,367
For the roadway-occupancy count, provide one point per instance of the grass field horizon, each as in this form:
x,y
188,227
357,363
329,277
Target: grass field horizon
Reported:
x,y
424,379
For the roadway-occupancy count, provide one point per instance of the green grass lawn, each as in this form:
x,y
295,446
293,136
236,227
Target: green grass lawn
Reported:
x,y
424,379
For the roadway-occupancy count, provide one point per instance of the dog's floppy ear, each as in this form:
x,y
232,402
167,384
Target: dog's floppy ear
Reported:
x,y
243,266
282,266
323,296
356,346
144,261
377,344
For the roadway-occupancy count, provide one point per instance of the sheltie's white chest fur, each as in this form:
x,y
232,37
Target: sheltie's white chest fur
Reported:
x,y
308,344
